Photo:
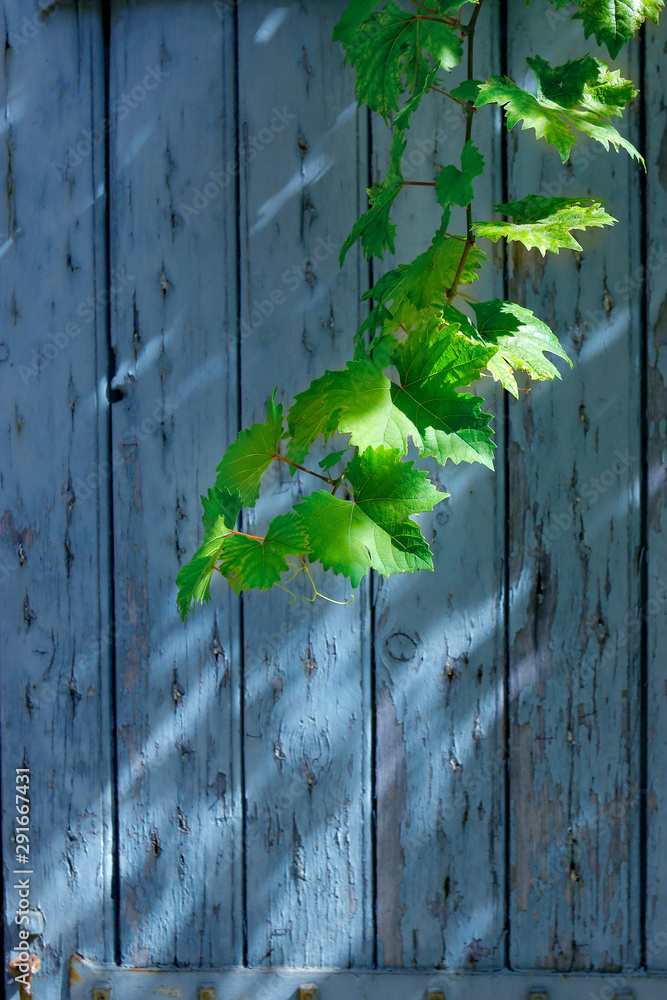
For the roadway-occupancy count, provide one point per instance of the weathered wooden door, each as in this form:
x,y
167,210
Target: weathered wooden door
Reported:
x,y
459,772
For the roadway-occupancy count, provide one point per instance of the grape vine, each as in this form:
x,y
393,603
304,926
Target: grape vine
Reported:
x,y
416,329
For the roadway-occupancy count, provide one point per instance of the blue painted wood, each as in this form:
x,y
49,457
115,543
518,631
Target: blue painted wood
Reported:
x,y
174,338
306,666
652,277
246,778
54,525
439,638
574,542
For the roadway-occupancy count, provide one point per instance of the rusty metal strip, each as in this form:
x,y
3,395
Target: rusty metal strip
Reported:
x,y
94,982
308,992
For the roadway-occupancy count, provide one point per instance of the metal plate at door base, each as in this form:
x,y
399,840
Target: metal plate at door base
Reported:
x,y
96,982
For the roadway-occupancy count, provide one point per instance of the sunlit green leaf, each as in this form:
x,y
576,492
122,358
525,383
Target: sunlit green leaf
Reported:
x,y
374,530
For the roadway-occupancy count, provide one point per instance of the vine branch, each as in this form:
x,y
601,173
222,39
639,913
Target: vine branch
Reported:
x,y
470,236
434,16
325,479
399,490
459,100
423,7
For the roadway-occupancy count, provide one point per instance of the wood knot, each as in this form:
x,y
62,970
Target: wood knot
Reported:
x,y
401,647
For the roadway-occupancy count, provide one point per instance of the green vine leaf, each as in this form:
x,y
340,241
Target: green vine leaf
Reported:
x,y
329,461
454,186
247,459
467,90
401,120
377,231
416,354
374,530
579,96
253,564
521,340
355,401
545,223
356,12
428,278
433,363
221,510
394,51
613,22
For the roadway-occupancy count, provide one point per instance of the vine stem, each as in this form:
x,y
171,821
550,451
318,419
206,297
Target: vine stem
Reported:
x,y
459,100
451,294
486,409
432,15
441,20
470,236
423,7
257,538
316,592
469,241
243,534
325,479
339,482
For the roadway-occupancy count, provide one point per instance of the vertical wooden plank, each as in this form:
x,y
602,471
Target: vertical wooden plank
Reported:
x,y
54,575
653,280
307,711
173,223
439,639
574,459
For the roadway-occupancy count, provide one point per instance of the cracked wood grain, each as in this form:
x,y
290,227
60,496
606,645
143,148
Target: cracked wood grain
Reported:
x,y
574,453
174,337
307,708
655,279
574,538
439,637
54,581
